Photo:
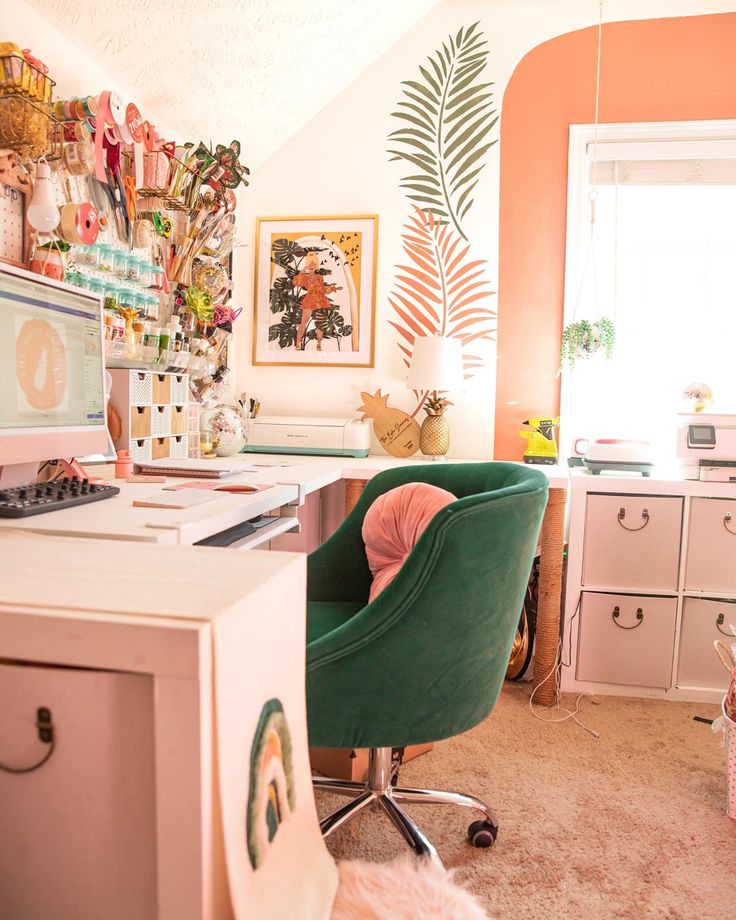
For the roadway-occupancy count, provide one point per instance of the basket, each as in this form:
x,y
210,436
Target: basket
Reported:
x,y
727,654
729,727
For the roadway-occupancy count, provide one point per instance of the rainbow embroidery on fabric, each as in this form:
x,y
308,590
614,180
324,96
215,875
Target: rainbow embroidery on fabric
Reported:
x,y
272,796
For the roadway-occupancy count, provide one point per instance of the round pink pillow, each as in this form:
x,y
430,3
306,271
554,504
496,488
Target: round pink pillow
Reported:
x,y
393,524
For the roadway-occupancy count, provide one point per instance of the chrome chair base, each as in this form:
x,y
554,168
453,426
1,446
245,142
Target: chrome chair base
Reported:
x,y
379,790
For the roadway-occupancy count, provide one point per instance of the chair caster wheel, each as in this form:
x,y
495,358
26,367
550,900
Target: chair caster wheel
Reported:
x,y
482,834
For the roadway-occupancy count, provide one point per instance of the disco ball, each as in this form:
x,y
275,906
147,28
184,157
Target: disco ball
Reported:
x,y
229,429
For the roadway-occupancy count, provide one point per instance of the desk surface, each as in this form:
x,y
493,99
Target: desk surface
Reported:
x,y
290,478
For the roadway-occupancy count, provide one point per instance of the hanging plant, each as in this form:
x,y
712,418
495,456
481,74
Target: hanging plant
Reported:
x,y
583,339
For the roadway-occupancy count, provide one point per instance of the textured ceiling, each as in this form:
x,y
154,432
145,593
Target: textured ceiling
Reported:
x,y
255,70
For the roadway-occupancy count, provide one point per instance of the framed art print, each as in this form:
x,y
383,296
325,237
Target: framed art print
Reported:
x,y
315,291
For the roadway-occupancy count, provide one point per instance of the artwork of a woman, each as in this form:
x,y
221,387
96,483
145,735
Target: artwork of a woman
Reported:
x,y
315,298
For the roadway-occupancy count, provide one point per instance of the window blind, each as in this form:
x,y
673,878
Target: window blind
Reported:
x,y
685,162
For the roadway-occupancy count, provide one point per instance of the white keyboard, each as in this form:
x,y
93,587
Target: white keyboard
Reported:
x,y
177,498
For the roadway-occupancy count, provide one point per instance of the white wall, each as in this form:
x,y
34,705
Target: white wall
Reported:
x,y
337,164
71,66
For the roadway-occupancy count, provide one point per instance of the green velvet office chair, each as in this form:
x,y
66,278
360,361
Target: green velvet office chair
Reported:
x,y
426,659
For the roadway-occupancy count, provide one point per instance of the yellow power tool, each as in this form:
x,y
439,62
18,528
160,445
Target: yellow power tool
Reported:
x,y
541,437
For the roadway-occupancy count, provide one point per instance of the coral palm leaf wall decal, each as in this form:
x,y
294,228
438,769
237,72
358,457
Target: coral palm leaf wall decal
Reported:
x,y
440,290
446,115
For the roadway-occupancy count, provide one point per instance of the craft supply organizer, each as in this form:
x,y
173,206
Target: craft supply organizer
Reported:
x,y
91,194
154,413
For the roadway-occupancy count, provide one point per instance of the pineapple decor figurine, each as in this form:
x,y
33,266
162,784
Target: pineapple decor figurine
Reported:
x,y
397,432
434,437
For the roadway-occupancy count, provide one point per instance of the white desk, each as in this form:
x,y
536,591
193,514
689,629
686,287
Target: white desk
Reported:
x,y
294,479
204,632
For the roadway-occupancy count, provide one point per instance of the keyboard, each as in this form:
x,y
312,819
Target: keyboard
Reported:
x,y
40,497
177,498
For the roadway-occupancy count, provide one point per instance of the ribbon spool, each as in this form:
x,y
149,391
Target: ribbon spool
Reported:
x,y
117,109
79,158
79,224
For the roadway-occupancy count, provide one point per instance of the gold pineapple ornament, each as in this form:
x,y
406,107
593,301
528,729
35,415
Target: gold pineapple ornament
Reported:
x,y
434,437
397,432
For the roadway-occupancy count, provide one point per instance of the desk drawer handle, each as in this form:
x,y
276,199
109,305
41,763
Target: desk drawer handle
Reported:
x,y
644,516
726,520
616,612
719,622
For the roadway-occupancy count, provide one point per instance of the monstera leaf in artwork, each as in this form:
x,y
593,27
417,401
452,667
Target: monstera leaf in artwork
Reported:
x,y
440,291
446,117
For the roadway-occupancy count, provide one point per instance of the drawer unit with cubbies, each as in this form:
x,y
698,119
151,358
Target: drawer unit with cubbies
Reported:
x,y
153,409
651,583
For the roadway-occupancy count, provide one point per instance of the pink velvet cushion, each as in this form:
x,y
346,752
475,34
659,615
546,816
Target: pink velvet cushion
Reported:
x,y
393,524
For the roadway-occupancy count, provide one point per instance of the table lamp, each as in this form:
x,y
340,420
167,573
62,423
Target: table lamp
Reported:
x,y
436,366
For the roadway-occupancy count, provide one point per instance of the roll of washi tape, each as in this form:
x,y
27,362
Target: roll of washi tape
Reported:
x,y
78,109
69,110
79,224
79,158
77,131
90,105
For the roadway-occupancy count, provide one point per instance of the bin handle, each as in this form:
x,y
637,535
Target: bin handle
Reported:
x,y
726,519
616,612
644,515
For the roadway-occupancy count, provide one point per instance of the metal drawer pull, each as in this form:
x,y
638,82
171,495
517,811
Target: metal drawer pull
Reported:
x,y
644,517
615,613
726,519
719,622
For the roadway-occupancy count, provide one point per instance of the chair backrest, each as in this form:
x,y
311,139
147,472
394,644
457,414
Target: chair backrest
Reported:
x,y
426,659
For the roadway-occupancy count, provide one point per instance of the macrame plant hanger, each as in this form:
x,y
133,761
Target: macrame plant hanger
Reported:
x,y
571,347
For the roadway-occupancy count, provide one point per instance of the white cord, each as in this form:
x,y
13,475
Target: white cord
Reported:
x,y
556,668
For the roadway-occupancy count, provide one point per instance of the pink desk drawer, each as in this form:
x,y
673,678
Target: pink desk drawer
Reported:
x,y
711,546
626,639
632,541
704,621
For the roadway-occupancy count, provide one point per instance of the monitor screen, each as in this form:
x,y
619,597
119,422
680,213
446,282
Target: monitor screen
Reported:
x,y
52,396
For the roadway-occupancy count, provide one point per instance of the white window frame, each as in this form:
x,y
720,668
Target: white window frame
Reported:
x,y
622,140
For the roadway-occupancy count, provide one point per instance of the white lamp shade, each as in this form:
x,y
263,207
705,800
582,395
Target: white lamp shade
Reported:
x,y
436,364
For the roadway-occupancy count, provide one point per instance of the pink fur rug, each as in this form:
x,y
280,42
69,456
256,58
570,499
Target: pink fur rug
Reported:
x,y
405,889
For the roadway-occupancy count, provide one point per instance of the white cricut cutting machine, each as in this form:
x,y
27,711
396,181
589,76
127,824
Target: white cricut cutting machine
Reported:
x,y
343,437
706,446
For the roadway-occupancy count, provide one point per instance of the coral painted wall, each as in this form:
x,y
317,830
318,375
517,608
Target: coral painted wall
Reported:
x,y
651,70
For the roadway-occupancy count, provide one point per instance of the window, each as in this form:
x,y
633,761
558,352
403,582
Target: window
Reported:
x,y
660,261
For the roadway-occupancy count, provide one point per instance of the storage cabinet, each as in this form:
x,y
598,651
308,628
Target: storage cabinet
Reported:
x,y
651,583
153,410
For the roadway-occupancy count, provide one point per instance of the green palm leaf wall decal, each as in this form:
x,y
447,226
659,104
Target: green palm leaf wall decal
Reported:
x,y
446,116
440,291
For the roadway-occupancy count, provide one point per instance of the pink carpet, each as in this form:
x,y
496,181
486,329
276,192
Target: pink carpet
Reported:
x,y
628,827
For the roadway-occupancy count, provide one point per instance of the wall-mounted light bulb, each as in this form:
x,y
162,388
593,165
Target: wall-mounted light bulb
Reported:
x,y
43,213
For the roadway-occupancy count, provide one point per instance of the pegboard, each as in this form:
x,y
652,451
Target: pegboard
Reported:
x,y
15,192
12,225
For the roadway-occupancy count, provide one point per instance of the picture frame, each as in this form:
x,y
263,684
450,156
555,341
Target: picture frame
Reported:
x,y
15,195
315,291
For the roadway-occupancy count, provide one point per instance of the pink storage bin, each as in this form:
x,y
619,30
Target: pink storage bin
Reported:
x,y
729,727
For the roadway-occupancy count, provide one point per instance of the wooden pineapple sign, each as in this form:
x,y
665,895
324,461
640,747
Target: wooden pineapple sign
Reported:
x,y
397,432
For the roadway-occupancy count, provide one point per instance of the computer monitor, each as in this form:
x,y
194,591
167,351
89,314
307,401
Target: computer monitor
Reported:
x,y
52,394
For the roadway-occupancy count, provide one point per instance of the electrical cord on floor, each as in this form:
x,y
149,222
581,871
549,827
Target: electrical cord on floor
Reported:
x,y
46,734
556,671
